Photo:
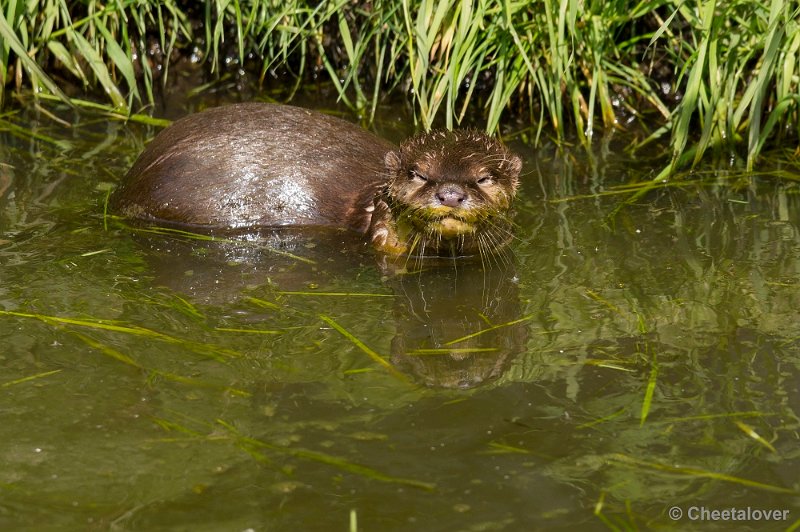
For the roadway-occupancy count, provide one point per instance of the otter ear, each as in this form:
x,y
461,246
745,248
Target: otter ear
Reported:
x,y
392,161
514,166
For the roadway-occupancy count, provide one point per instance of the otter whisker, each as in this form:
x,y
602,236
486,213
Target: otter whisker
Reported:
x,y
486,247
492,242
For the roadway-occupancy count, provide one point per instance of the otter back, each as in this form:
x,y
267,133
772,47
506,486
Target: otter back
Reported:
x,y
255,165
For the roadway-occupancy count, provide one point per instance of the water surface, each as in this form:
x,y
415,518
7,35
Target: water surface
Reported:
x,y
615,364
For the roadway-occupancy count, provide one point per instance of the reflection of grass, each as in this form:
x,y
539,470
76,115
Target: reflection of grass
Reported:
x,y
678,180
29,133
112,112
694,181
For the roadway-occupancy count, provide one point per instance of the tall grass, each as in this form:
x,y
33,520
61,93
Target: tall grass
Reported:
x,y
743,78
714,75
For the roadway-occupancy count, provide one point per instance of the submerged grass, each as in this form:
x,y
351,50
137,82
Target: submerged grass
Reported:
x,y
366,349
258,449
489,329
649,390
331,294
750,431
716,76
693,472
221,354
125,359
218,353
29,378
252,445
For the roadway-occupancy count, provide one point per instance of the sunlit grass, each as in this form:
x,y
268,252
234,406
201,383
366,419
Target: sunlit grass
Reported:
x,y
740,84
715,76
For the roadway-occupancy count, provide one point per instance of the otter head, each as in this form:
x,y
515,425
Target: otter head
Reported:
x,y
450,192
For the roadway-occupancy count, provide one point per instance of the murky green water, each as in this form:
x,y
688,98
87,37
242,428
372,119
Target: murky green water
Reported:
x,y
623,366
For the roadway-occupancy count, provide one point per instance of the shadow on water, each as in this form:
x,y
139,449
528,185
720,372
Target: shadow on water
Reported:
x,y
621,362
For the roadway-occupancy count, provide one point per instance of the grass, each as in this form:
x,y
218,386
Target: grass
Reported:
x,y
720,77
382,361
257,449
647,466
220,354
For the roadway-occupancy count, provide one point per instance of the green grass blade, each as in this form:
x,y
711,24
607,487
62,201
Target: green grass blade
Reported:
x,y
363,347
763,79
219,353
125,359
62,54
327,459
99,68
119,58
11,39
694,472
694,86
30,378
649,391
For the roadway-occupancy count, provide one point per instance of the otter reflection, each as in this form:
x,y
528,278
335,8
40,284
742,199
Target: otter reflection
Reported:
x,y
452,317
454,322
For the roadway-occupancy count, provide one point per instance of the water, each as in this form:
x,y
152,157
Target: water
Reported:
x,y
627,359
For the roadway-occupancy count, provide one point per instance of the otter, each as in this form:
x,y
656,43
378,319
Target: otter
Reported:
x,y
257,165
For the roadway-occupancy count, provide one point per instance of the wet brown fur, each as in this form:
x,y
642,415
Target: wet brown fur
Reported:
x,y
429,168
254,165
265,165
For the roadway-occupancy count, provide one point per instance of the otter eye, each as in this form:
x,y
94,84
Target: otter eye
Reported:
x,y
485,180
413,174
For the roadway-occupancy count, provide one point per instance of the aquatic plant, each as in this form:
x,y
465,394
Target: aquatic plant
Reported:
x,y
729,71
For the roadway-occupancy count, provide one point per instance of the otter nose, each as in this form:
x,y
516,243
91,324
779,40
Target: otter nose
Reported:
x,y
451,195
